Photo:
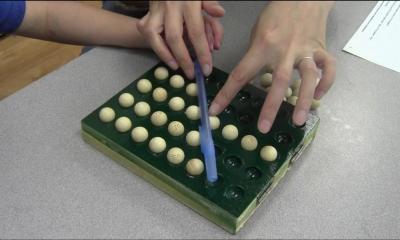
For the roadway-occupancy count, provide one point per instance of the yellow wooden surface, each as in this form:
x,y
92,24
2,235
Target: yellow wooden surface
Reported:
x,y
24,60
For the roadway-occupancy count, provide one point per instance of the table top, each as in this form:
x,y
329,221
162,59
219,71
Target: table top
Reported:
x,y
346,185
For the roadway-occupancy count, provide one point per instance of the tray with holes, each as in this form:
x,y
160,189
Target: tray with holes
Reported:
x,y
151,128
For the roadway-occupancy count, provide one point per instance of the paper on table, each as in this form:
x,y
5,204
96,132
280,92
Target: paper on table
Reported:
x,y
378,38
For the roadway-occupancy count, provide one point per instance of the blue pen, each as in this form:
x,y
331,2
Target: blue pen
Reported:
x,y
206,141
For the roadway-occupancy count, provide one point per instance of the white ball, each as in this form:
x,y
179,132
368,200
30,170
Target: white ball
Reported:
x,y
126,100
157,144
176,103
159,118
191,89
161,73
160,94
106,114
288,93
292,100
214,122
315,104
144,85
296,91
139,134
177,81
195,167
142,109
193,138
123,124
296,83
249,142
230,132
268,153
266,80
175,155
193,112
176,128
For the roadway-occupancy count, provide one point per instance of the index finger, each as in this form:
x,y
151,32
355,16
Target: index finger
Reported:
x,y
196,31
280,82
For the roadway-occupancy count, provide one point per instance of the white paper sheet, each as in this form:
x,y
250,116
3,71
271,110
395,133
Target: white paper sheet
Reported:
x,y
378,38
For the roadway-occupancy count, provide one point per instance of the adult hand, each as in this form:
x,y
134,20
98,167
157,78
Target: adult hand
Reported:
x,y
166,24
286,35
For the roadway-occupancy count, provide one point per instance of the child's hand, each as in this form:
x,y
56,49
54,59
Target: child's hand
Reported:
x,y
166,24
286,35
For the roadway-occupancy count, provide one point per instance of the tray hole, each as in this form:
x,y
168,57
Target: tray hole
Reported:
x,y
252,173
229,109
232,162
246,119
234,192
283,138
243,96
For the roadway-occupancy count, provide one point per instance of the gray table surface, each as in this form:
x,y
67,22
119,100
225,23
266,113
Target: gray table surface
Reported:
x,y
54,185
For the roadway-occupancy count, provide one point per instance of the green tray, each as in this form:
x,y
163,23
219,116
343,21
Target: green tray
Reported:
x,y
244,178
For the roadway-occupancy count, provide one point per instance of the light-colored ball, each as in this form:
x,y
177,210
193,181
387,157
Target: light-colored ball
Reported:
x,y
139,134
296,92
193,138
315,104
249,142
157,144
144,85
126,100
176,128
160,94
142,109
195,167
175,155
158,118
177,81
288,92
123,124
191,89
161,73
214,122
230,132
296,83
176,103
292,100
268,153
266,80
193,112
106,114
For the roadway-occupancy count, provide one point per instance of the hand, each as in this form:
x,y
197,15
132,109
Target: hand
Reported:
x,y
284,34
165,26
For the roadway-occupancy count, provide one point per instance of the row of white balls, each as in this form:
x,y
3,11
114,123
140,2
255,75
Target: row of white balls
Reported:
x,y
176,128
143,108
160,94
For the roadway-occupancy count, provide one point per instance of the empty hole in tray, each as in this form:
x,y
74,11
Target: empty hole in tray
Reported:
x,y
283,138
252,173
232,162
234,192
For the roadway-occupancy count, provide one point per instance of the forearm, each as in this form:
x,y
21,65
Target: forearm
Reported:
x,y
77,23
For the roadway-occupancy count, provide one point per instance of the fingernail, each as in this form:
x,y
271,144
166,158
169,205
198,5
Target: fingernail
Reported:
x,y
214,108
319,94
264,126
300,117
206,69
173,64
